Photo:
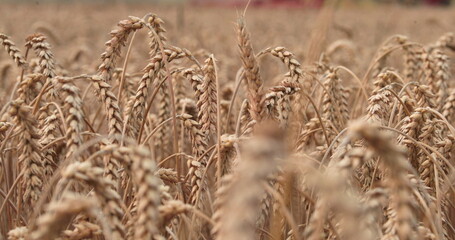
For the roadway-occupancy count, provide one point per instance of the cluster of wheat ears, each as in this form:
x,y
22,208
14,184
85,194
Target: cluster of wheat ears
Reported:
x,y
175,153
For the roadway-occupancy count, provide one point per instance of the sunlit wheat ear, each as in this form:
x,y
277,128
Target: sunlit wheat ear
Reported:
x,y
251,74
379,104
30,87
152,73
74,116
12,50
207,103
197,167
334,107
107,97
448,109
277,102
49,132
424,97
148,197
114,46
46,60
29,149
157,24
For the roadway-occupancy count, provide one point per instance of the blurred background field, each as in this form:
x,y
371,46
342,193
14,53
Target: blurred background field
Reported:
x,y
75,26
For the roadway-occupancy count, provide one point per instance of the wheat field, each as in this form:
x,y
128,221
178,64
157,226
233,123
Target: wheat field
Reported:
x,y
177,122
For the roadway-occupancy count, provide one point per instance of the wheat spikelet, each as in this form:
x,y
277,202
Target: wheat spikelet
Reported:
x,y
114,45
442,75
251,70
207,101
147,195
334,106
196,168
46,60
48,131
277,102
74,116
114,118
29,87
30,155
424,96
412,62
164,112
12,50
448,109
152,71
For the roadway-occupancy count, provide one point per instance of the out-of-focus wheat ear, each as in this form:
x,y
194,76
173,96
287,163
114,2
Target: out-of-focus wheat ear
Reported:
x,y
59,214
225,102
251,73
109,200
448,110
435,67
114,46
18,233
384,52
412,63
221,197
445,41
30,157
148,197
83,229
236,216
400,188
46,60
207,103
12,50
171,209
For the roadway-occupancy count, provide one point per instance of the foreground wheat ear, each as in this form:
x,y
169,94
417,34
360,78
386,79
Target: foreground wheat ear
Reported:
x,y
155,141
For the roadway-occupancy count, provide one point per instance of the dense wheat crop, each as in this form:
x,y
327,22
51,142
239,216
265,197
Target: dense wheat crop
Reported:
x,y
192,123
